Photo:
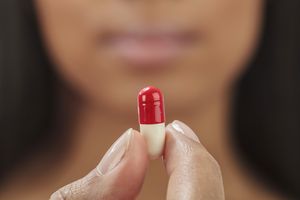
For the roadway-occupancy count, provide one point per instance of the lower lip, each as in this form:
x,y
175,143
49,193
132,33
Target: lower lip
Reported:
x,y
148,51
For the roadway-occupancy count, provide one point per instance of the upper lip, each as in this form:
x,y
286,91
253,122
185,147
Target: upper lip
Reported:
x,y
151,32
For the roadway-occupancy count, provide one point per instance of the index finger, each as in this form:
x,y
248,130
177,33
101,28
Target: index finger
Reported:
x,y
193,172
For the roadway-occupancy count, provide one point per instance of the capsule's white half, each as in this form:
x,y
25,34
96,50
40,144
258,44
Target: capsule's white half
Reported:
x,y
154,135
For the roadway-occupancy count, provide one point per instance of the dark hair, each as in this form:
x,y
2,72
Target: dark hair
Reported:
x,y
26,85
267,108
266,114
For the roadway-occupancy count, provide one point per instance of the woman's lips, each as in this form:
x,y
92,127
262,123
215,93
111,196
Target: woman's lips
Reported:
x,y
149,48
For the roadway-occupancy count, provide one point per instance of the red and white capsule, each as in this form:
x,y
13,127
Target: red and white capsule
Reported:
x,y
152,119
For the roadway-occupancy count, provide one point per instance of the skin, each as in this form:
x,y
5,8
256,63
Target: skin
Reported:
x,y
97,98
72,30
125,180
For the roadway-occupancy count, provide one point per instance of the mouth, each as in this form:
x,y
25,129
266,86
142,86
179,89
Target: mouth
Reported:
x,y
144,47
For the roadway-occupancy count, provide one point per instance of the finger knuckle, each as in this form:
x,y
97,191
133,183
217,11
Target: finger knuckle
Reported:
x,y
70,192
58,195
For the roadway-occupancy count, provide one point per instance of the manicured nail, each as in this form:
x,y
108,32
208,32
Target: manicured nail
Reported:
x,y
180,127
115,154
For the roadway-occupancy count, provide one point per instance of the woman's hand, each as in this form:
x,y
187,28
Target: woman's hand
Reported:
x,y
193,172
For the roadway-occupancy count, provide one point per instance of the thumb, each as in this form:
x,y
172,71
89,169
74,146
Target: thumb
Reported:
x,y
193,172
119,175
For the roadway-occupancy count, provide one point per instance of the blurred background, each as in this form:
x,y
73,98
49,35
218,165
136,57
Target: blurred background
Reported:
x,y
70,72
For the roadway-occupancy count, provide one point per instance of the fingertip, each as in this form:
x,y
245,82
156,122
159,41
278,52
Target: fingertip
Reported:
x,y
139,145
126,180
179,127
182,145
135,131
189,164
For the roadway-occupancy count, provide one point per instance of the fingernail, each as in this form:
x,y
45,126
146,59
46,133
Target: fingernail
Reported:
x,y
180,127
115,154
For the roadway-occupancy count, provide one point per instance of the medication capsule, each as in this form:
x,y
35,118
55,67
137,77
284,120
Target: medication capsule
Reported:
x,y
152,119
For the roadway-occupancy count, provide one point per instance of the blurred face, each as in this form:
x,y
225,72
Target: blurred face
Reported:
x,y
107,50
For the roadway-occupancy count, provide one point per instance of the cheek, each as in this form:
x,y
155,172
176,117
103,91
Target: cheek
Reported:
x,y
67,38
70,29
234,32
231,32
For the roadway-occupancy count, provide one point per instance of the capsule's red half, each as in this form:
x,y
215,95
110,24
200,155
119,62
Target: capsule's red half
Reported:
x,y
151,106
